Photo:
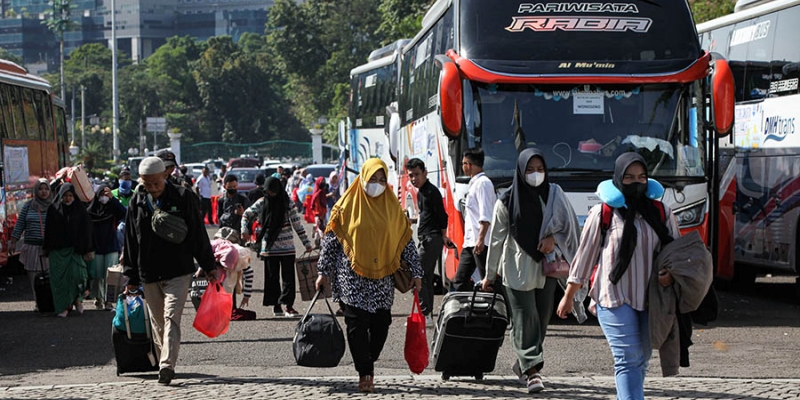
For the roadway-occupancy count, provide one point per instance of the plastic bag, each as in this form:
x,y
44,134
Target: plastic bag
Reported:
x,y
416,348
214,314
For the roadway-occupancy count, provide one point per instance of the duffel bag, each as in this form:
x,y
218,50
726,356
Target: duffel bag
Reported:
x,y
318,339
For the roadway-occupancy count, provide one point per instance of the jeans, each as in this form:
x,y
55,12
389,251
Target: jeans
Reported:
x,y
467,264
366,335
628,335
430,251
275,268
165,300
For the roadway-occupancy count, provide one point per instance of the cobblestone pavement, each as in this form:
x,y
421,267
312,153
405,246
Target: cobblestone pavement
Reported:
x,y
402,387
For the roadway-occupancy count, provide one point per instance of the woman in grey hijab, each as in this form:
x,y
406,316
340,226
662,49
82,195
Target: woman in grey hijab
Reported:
x,y
532,219
30,226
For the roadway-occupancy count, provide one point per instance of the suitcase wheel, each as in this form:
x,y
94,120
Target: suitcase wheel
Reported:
x,y
479,377
445,376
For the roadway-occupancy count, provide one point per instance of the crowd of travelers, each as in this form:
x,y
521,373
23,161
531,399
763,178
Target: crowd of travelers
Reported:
x,y
364,237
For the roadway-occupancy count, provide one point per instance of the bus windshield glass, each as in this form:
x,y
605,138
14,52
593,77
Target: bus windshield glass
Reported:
x,y
583,128
567,37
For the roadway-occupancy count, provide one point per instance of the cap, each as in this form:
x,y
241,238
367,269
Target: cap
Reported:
x,y
125,171
168,157
151,166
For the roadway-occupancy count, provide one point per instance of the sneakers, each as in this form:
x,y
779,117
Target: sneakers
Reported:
x,y
428,321
518,371
99,304
291,312
165,376
277,310
535,384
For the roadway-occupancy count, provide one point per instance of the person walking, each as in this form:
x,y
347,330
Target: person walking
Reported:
x,y
31,228
533,218
125,190
106,213
623,256
333,191
232,204
431,231
365,241
163,267
477,210
203,188
69,245
275,243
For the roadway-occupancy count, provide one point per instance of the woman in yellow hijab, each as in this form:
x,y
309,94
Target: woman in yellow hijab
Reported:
x,y
367,236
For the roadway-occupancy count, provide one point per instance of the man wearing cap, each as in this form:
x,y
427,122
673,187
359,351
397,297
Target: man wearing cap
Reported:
x,y
164,268
170,164
125,190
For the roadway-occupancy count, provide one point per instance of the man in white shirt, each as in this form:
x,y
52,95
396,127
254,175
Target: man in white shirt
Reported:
x,y
478,209
203,187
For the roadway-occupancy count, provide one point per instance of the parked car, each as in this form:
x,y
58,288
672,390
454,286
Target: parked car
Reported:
x,y
317,170
195,170
246,177
243,163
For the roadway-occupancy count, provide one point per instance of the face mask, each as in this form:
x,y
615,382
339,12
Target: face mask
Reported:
x,y
231,191
125,187
534,178
103,199
634,190
68,203
374,189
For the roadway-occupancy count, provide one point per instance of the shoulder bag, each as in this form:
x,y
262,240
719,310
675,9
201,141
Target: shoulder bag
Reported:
x,y
169,227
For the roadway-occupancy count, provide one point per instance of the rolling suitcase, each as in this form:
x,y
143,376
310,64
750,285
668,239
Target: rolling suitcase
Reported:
x,y
469,333
41,287
134,352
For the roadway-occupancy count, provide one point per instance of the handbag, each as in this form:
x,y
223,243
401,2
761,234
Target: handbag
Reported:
x,y
557,268
214,314
318,339
169,227
402,278
416,348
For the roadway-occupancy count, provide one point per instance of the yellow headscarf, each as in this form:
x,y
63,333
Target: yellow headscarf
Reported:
x,y
372,230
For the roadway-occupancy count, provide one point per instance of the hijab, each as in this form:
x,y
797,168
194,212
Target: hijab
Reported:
x,y
524,207
98,211
273,215
373,231
41,204
637,203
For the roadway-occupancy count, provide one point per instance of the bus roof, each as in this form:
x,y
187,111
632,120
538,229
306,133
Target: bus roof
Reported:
x,y
387,50
14,74
382,62
747,13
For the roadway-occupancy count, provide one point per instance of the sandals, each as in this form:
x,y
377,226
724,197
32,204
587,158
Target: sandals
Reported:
x,y
365,384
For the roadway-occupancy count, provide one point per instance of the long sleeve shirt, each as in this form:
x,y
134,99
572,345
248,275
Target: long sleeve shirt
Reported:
x,y
594,249
30,224
355,290
284,244
432,216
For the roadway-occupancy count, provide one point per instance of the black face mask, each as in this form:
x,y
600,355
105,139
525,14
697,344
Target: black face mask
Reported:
x,y
635,190
231,191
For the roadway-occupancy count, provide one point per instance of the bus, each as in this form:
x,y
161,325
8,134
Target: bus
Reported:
x,y
760,166
33,144
583,81
373,88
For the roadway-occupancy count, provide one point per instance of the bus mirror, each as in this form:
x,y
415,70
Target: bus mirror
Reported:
x,y
392,129
451,102
723,91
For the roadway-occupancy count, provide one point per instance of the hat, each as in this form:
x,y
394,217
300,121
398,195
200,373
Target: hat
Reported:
x,y
151,166
125,171
168,157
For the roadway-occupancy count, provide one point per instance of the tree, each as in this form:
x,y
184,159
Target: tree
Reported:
x,y
7,55
706,10
59,22
401,19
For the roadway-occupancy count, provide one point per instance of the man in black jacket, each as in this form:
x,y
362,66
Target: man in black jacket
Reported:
x,y
164,268
231,205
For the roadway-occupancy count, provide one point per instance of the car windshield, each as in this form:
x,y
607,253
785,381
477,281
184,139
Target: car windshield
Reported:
x,y
582,129
244,175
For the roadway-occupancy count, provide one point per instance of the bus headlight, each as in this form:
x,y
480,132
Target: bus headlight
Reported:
x,y
691,216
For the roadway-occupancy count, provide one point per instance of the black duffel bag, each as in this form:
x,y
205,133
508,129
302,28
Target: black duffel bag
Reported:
x,y
318,339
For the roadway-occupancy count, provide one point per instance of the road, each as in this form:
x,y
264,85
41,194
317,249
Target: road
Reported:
x,y
756,337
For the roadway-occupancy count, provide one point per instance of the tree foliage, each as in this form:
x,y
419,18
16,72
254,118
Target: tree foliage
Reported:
x,y
706,10
7,55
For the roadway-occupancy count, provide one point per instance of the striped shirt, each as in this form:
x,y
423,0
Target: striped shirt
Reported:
x,y
594,250
284,244
247,287
30,224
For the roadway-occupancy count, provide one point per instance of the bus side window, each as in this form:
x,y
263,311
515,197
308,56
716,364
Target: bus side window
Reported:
x,y
6,129
16,112
46,110
31,120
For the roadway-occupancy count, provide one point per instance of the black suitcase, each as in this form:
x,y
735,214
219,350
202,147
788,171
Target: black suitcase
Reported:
x,y
41,287
469,333
134,352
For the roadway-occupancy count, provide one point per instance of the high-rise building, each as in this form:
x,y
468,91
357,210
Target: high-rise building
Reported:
x,y
142,25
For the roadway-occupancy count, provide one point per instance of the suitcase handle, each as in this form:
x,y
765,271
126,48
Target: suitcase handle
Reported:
x,y
472,303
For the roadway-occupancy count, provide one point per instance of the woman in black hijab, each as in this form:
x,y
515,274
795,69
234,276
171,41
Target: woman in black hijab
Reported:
x,y
277,217
106,212
69,243
532,219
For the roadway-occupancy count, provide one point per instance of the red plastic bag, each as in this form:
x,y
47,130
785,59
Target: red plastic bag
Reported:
x,y
214,314
416,350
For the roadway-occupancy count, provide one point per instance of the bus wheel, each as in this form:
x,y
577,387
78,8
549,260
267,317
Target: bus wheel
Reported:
x,y
744,277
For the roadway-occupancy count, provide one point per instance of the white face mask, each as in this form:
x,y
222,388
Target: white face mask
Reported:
x,y
68,203
534,178
374,189
103,199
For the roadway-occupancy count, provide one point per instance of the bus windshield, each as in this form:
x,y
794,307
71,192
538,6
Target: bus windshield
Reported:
x,y
582,129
